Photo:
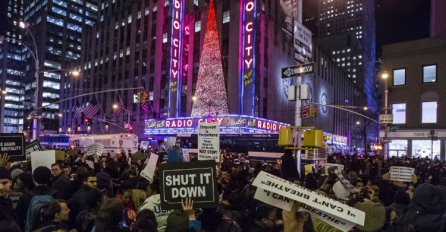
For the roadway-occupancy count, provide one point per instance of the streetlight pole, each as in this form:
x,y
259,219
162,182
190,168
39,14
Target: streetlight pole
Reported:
x,y
35,55
384,76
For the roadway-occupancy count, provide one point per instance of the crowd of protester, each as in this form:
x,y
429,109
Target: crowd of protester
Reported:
x,y
110,195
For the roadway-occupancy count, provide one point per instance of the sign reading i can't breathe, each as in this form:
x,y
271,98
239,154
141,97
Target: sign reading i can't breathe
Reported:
x,y
208,141
13,145
196,180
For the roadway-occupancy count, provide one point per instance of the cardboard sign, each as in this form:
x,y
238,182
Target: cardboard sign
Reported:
x,y
288,189
274,199
32,146
332,220
186,157
208,141
197,180
149,171
42,158
96,148
13,145
403,174
340,167
347,183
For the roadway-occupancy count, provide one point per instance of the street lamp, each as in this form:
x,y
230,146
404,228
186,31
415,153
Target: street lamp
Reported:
x,y
384,77
35,55
365,108
358,123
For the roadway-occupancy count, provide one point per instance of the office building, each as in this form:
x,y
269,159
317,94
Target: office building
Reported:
x,y
58,27
12,68
415,68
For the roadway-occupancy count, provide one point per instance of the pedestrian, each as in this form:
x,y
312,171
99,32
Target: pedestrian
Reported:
x,y
110,217
52,217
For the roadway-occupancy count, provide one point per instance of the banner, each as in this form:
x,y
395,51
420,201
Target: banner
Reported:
x,y
197,180
288,189
43,158
403,174
13,145
149,171
96,148
332,220
274,199
208,141
32,146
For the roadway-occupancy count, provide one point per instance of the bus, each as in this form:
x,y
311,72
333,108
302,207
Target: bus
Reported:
x,y
113,143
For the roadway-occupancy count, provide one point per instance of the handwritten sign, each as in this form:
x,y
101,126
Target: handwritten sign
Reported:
x,y
288,189
208,141
197,180
96,148
13,145
403,174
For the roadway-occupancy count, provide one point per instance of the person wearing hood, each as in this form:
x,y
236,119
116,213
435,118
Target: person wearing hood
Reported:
x,y
153,203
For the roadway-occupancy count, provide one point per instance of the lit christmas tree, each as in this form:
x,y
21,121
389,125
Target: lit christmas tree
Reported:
x,y
210,93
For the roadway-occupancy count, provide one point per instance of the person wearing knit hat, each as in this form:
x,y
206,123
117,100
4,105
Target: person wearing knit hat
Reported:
x,y
375,216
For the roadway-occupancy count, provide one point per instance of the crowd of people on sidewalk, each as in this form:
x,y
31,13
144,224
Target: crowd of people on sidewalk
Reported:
x,y
110,195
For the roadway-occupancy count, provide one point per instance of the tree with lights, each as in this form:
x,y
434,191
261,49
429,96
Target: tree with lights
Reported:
x,y
210,94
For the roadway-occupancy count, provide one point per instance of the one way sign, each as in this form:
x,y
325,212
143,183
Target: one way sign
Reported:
x,y
298,70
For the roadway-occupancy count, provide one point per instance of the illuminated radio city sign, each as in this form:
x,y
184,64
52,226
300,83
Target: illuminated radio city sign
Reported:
x,y
176,44
225,121
247,51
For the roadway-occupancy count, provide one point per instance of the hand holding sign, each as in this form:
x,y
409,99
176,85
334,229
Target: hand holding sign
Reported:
x,y
293,220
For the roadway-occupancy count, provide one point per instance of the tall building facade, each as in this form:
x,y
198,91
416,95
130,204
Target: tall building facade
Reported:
x,y
58,27
438,17
157,45
354,19
12,68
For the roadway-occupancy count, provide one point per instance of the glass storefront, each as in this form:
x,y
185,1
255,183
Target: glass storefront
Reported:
x,y
425,148
398,148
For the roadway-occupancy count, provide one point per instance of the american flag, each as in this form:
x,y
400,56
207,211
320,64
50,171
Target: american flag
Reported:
x,y
92,109
120,108
78,111
145,106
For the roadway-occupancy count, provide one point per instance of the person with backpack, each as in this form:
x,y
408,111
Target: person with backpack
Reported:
x,y
30,203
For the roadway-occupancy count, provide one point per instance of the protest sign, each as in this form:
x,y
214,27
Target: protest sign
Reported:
x,y
149,170
208,141
13,145
96,148
42,158
403,174
346,184
332,220
290,190
339,167
32,146
197,180
274,199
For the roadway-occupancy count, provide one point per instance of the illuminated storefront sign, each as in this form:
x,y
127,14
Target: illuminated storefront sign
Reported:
x,y
247,53
176,49
229,124
328,138
339,140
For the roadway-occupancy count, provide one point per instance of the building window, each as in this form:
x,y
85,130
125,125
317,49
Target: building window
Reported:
x,y
399,113
429,73
429,112
425,148
399,77
398,148
226,17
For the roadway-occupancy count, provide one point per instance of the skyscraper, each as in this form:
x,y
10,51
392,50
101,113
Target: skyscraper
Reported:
x,y
58,27
351,19
12,68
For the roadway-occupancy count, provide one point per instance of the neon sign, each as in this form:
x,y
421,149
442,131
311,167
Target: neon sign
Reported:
x,y
176,49
247,55
227,123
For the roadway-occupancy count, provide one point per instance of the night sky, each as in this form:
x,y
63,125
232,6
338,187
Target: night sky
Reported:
x,y
401,20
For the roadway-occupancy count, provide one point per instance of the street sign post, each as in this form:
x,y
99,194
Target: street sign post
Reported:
x,y
305,111
298,70
386,118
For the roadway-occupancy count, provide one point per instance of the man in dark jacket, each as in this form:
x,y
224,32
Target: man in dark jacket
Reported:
x,y
6,210
77,203
42,177
59,181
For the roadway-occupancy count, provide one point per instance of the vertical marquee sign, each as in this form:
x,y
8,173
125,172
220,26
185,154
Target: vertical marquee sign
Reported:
x,y
247,55
176,49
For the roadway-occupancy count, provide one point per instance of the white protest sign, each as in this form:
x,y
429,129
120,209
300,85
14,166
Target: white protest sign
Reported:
x,y
403,174
208,141
340,167
96,148
332,220
42,158
347,183
90,163
274,199
288,189
186,157
149,170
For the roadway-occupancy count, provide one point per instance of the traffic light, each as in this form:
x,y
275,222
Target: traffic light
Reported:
x,y
87,121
